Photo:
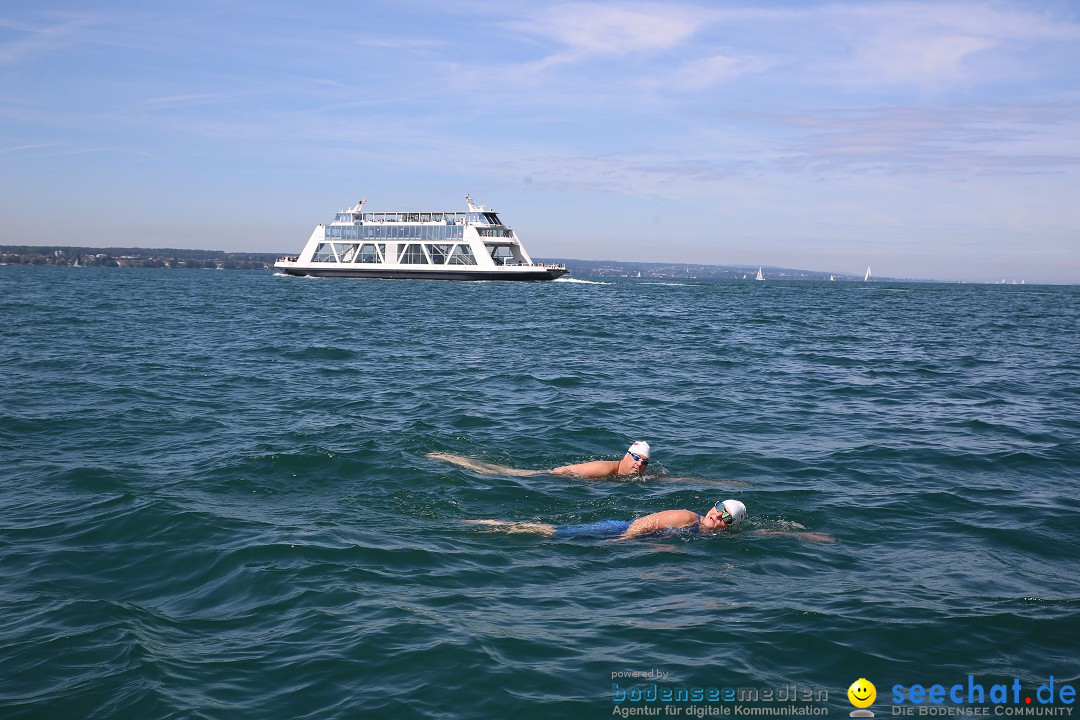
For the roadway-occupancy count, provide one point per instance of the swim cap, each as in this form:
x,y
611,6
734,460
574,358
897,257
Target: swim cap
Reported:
x,y
640,447
738,512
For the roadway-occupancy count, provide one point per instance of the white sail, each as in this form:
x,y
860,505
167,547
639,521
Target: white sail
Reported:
x,y
759,275
867,278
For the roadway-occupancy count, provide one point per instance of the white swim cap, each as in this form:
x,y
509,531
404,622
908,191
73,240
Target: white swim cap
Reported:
x,y
738,512
640,447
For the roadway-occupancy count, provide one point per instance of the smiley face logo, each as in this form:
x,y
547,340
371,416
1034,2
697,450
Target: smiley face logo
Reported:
x,y
862,693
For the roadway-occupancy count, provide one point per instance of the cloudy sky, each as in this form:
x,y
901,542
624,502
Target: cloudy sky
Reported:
x,y
926,139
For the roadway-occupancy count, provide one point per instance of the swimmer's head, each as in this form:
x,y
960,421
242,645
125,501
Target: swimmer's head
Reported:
x,y
725,515
736,511
641,449
636,459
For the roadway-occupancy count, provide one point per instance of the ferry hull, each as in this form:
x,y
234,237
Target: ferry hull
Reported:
x,y
531,274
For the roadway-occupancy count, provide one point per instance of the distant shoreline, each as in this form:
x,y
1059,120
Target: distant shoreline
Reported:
x,y
178,258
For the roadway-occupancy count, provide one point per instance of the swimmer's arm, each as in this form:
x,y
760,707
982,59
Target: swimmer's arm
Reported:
x,y
509,526
481,467
594,469
815,537
659,521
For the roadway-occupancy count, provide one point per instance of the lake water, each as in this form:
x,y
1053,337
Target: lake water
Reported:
x,y
216,499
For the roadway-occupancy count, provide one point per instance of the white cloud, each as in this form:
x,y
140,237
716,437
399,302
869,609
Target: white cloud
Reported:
x,y
34,39
930,45
22,148
705,72
585,29
920,59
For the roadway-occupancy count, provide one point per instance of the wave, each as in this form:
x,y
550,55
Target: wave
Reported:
x,y
579,281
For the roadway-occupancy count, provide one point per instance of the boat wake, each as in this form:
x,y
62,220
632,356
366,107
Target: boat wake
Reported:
x,y
579,282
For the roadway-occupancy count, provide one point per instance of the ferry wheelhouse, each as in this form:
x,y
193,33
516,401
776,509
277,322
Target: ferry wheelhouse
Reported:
x,y
469,245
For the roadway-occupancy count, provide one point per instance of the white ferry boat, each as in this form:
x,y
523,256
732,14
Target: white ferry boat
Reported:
x,y
470,245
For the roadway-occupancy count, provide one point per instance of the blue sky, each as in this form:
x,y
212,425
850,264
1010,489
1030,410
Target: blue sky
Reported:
x,y
925,139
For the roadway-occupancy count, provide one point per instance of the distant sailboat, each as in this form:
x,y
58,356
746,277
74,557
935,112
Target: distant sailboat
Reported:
x,y
832,278
867,278
759,275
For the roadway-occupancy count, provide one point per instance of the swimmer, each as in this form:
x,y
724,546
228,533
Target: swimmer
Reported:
x,y
725,515
631,464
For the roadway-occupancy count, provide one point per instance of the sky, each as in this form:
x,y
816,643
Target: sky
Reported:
x,y
936,140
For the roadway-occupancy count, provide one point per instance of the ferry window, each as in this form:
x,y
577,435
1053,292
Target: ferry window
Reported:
x,y
346,252
413,254
462,255
492,218
324,253
439,253
368,254
501,254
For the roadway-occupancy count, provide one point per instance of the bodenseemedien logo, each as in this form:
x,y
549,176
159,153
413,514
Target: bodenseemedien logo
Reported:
x,y
862,694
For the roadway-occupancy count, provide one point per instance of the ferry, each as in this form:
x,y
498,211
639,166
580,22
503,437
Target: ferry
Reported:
x,y
469,245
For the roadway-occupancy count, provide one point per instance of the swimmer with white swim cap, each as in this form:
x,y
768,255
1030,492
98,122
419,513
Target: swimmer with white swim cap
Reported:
x,y
633,463
725,515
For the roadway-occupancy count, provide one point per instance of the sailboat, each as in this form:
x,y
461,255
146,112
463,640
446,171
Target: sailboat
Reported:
x,y
832,278
867,278
759,276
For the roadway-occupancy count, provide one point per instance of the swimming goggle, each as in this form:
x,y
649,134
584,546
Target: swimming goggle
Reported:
x,y
637,458
724,514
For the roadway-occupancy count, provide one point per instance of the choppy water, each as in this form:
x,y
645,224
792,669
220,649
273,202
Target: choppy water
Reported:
x,y
216,500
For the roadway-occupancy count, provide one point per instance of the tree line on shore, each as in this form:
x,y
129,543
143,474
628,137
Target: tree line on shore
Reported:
x,y
217,259
135,257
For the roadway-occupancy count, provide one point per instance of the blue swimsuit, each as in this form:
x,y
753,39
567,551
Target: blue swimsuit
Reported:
x,y
612,529
600,529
